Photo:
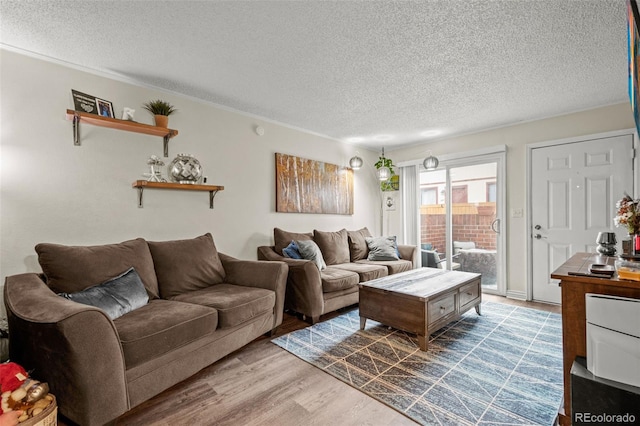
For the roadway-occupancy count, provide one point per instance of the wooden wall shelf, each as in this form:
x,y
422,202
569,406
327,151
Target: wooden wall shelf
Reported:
x,y
142,184
78,117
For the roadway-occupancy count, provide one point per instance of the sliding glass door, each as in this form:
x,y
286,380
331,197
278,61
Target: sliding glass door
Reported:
x,y
460,219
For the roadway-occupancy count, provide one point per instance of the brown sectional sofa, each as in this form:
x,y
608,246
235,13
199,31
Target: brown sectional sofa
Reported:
x,y
313,292
202,305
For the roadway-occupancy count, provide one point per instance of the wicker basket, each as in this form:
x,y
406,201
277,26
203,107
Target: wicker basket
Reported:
x,y
48,417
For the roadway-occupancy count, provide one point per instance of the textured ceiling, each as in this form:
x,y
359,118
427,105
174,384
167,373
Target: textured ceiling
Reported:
x,y
382,72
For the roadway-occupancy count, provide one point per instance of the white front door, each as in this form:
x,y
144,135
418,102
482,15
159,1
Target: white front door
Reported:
x,y
574,189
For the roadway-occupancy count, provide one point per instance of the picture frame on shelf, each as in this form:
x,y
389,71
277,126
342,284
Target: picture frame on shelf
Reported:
x,y
105,108
84,103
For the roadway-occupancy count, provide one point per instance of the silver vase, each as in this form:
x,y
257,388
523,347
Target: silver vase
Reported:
x,y
185,169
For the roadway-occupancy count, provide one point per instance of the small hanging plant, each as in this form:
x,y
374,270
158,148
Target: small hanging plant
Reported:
x,y
159,107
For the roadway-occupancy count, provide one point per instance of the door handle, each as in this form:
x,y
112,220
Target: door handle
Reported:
x,y
538,236
495,226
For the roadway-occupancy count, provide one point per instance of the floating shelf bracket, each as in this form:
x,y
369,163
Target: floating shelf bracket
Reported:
x,y
166,145
76,129
212,195
140,191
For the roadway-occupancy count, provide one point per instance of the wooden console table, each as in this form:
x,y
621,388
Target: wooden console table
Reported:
x,y
574,288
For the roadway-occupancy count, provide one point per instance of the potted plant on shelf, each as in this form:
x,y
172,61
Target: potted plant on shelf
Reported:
x,y
161,111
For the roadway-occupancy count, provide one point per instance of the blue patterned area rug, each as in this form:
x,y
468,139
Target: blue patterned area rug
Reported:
x,y
504,367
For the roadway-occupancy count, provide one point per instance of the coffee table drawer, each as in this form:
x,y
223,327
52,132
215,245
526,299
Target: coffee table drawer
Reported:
x,y
441,307
469,293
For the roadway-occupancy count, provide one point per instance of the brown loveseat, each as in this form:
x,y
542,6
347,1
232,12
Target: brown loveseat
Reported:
x,y
202,305
313,292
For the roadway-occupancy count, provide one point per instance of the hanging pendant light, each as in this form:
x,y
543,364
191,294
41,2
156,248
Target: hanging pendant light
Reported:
x,y
430,163
383,173
355,162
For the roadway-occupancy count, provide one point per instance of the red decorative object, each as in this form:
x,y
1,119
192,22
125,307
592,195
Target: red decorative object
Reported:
x,y
12,375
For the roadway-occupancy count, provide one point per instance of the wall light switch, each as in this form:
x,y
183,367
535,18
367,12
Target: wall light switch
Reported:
x,y
517,212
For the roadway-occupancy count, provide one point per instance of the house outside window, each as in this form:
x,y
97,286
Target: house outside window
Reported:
x,y
429,196
459,194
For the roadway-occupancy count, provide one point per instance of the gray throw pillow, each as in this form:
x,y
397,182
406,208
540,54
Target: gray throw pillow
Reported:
x,y
116,297
382,248
309,250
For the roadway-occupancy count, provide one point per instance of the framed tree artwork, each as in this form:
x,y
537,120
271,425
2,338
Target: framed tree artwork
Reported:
x,y
310,186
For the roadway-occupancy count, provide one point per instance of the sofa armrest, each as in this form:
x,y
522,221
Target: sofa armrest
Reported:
x,y
252,273
304,284
269,253
73,347
409,253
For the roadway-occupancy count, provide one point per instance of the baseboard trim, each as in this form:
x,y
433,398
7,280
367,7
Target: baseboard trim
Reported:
x,y
515,294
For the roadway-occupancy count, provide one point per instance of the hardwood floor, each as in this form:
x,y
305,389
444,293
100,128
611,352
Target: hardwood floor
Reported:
x,y
262,384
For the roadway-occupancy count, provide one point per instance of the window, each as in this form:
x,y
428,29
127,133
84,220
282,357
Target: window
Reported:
x,y
459,194
429,196
491,192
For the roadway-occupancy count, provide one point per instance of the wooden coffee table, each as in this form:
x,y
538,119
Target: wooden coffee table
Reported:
x,y
420,301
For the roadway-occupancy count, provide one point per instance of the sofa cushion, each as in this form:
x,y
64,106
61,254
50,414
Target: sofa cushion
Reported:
x,y
340,293
235,304
70,269
463,245
186,265
282,239
333,245
366,271
358,248
394,266
116,297
382,248
309,250
335,279
162,326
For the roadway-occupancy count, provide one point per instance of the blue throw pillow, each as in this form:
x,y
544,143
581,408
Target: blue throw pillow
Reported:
x,y
292,251
116,297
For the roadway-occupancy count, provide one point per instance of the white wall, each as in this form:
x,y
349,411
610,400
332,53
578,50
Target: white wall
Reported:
x,y
53,191
516,138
